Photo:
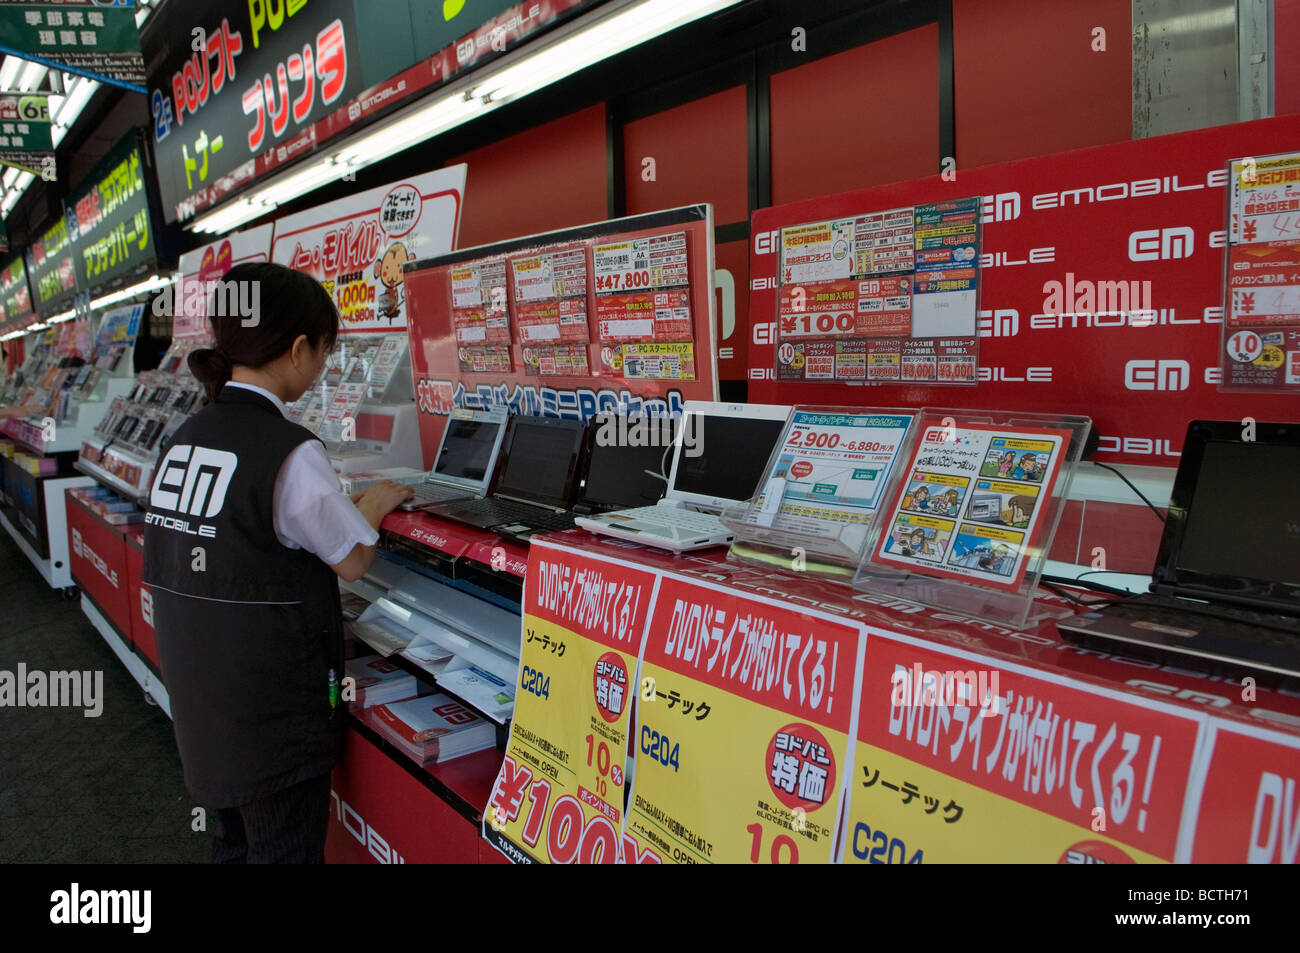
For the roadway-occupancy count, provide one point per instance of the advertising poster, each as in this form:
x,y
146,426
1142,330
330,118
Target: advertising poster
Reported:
x,y
890,296
559,795
641,287
973,503
357,246
832,469
478,302
1261,335
201,268
960,760
742,696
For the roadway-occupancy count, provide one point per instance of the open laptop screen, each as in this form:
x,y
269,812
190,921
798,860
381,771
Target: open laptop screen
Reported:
x,y
541,459
467,449
623,476
724,456
1233,529
1244,520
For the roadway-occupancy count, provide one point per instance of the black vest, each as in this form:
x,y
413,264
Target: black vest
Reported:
x,y
249,630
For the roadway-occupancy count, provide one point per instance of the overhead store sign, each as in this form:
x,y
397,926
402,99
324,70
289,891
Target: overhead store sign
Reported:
x,y
53,275
238,90
97,37
17,296
25,133
109,219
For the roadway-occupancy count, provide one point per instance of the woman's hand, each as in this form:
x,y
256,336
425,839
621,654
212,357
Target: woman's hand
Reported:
x,y
381,499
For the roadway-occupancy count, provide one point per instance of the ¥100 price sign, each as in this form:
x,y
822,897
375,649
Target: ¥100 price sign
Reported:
x,y
744,714
559,795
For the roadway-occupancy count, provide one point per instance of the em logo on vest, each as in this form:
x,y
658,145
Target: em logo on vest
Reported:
x,y
192,481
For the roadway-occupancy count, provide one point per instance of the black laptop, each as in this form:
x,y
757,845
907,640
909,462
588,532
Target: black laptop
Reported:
x,y
1225,595
538,482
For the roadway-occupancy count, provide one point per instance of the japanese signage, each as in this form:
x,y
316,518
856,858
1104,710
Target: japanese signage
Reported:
x,y
559,795
112,230
514,324
1261,331
86,35
832,470
1250,809
889,296
963,760
973,502
744,719
17,296
201,268
1101,288
25,132
263,84
357,246
51,270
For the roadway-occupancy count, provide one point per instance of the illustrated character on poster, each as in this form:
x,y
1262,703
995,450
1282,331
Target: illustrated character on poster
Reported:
x,y
1028,468
914,543
1016,513
992,559
1006,464
918,499
389,271
946,503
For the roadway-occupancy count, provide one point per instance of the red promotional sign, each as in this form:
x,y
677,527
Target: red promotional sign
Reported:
x,y
1134,231
1089,759
548,379
1250,803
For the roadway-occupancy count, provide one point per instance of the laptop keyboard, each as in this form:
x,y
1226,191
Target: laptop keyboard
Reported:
x,y
496,512
705,523
426,494
1273,627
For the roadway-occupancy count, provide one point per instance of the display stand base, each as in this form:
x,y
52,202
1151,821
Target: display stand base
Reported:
x,y
1010,609
139,671
794,561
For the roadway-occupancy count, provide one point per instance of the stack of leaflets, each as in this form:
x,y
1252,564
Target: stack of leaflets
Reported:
x,y
428,654
433,729
378,682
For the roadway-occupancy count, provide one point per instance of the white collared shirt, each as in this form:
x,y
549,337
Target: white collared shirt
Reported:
x,y
309,508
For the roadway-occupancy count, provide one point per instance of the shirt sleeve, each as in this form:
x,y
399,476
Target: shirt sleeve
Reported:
x,y
311,511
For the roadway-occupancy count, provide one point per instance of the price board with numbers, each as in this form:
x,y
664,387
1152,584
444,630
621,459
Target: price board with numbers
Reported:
x,y
559,795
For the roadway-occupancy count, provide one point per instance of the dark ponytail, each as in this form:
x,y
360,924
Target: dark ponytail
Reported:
x,y
257,311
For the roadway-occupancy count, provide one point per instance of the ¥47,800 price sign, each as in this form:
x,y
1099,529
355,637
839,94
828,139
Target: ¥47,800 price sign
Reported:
x,y
559,795
743,719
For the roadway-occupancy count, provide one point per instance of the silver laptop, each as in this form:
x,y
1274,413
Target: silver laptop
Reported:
x,y
719,456
467,457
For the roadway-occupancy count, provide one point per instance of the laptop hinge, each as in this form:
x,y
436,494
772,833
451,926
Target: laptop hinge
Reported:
x,y
520,499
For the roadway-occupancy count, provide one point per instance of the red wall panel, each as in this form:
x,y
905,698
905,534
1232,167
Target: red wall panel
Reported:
x,y
864,117
140,598
700,152
548,177
97,556
1286,61
1028,81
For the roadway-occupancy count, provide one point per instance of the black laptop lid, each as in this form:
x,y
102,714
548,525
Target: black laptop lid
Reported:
x,y
621,476
1233,529
542,456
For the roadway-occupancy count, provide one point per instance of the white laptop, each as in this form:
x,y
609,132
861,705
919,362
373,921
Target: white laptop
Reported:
x,y
719,457
467,457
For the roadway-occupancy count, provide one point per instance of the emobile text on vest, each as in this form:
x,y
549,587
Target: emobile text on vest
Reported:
x,y
192,483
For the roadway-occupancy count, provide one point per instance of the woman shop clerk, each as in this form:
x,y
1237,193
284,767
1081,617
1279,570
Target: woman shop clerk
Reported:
x,y
246,537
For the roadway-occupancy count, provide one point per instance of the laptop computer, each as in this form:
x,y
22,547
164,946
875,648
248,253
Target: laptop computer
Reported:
x,y
466,460
617,475
539,478
1225,593
719,457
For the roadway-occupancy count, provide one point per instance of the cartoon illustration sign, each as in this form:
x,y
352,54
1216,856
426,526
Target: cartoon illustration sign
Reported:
x,y
358,246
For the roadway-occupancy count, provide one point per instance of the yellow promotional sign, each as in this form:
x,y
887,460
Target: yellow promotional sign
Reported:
x,y
559,795
743,719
